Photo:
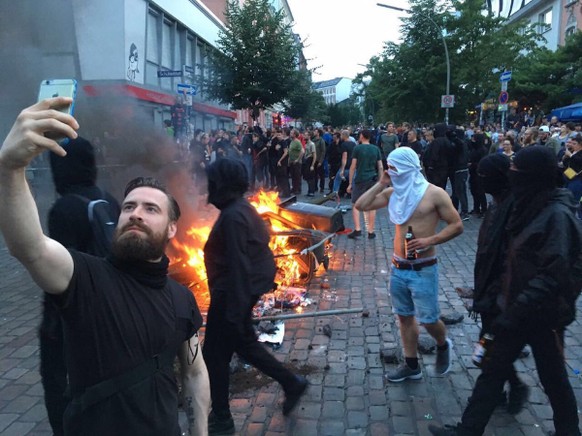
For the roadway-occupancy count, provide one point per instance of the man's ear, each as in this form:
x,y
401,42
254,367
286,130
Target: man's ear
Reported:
x,y
172,229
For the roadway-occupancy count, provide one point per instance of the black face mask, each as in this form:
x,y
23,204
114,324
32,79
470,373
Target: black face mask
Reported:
x,y
494,185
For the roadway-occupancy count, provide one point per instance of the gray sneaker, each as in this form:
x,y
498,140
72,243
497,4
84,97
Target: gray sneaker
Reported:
x,y
404,372
443,359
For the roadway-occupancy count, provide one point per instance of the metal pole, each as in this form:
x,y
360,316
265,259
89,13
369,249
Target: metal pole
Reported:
x,y
308,314
448,85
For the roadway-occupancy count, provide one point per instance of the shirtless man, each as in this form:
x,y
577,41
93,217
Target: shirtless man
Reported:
x,y
413,202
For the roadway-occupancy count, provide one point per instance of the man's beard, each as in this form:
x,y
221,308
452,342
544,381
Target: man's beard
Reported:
x,y
133,246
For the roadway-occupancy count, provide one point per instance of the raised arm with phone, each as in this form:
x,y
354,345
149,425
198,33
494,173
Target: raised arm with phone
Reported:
x,y
124,319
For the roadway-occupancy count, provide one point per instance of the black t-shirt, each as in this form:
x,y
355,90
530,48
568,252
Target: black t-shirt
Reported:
x,y
113,323
284,146
348,147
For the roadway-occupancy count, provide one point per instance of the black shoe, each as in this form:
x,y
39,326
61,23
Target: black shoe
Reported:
x,y
292,396
517,398
447,430
465,216
311,194
474,212
371,235
355,234
220,424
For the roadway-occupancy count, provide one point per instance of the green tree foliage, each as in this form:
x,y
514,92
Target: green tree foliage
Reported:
x,y
550,79
409,78
256,60
303,102
344,113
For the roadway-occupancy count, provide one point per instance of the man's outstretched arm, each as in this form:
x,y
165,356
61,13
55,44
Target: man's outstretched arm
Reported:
x,y
195,387
48,262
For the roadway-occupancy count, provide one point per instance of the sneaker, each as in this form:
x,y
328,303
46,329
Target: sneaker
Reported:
x,y
220,424
292,396
371,235
355,234
446,430
404,372
311,194
465,216
443,359
517,398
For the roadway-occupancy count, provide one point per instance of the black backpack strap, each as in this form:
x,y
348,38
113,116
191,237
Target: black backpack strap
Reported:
x,y
105,389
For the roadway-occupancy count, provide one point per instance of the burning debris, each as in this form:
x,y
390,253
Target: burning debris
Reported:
x,y
298,251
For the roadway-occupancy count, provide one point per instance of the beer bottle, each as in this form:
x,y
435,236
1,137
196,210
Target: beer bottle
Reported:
x,y
410,254
481,349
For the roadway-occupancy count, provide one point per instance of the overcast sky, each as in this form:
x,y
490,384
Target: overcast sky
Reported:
x,y
340,34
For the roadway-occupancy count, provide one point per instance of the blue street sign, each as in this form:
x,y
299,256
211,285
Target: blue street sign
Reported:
x,y
186,88
505,76
170,73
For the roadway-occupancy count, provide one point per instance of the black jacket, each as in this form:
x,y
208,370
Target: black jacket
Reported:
x,y
491,246
543,274
438,151
239,262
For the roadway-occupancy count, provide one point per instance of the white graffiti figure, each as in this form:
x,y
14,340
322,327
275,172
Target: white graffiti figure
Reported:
x,y
133,68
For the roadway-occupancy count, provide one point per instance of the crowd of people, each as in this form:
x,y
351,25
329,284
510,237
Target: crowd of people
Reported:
x,y
122,320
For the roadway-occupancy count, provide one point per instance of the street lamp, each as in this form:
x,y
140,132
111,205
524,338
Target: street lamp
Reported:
x,y
444,44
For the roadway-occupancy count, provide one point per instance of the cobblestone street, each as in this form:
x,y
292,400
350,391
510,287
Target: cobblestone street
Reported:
x,y
348,394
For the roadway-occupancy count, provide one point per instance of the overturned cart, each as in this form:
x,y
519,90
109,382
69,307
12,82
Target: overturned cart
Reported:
x,y
306,230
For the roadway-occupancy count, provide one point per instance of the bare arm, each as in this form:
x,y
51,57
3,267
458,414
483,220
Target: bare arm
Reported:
x,y
195,387
48,262
377,196
285,153
446,212
344,163
352,172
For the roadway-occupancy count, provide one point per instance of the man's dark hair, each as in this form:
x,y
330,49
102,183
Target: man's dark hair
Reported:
x,y
570,125
151,182
366,134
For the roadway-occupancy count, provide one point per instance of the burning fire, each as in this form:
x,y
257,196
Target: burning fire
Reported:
x,y
190,259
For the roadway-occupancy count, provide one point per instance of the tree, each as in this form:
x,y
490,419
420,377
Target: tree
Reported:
x,y
256,59
551,79
303,102
409,78
344,113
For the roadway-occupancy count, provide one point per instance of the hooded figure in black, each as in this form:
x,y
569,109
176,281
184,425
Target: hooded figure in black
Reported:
x,y
240,268
540,279
477,151
437,156
74,175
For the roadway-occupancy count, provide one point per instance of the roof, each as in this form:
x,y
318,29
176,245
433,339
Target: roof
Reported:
x,y
328,83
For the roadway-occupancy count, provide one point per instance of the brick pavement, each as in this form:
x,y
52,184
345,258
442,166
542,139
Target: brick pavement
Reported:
x,y
347,395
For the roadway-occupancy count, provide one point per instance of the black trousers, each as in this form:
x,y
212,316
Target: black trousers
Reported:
x,y
547,347
222,340
320,175
479,198
295,172
283,182
53,370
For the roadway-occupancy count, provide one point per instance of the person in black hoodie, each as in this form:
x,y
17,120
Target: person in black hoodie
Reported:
x,y
477,151
461,173
541,281
436,157
240,268
74,176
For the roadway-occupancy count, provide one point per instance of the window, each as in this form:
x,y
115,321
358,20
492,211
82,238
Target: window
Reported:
x,y
152,53
545,21
570,31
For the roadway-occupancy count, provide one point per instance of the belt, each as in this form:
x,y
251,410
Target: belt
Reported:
x,y
414,266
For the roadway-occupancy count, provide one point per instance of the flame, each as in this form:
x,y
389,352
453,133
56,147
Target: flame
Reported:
x,y
191,254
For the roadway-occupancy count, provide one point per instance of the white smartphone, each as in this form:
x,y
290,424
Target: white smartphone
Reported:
x,y
59,88
51,88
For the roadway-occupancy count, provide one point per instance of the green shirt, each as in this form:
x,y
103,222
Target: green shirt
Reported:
x,y
320,149
367,156
295,149
388,143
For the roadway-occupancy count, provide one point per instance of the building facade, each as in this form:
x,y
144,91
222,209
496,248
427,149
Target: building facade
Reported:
x,y
335,90
552,19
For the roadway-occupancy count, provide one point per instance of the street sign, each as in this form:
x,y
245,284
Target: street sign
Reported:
x,y
504,86
170,73
502,108
447,101
188,69
184,88
187,72
505,76
503,97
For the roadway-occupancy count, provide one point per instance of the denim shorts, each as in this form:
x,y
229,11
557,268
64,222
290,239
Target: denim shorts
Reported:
x,y
416,293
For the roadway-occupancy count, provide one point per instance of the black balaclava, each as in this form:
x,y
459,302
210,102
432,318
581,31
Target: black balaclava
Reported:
x,y
478,140
532,184
77,168
227,181
493,171
440,130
